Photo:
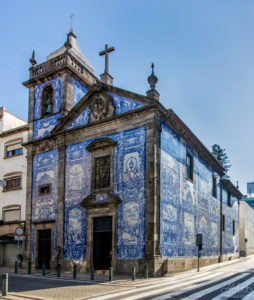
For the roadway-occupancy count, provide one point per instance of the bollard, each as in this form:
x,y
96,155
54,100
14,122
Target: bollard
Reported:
x,y
133,273
110,274
43,269
92,273
74,271
29,268
58,270
16,267
146,272
5,284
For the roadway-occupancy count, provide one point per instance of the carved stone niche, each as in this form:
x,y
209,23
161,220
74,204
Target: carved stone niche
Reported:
x,y
90,202
101,107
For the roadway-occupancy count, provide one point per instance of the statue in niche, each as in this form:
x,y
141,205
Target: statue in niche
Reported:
x,y
101,107
102,172
47,101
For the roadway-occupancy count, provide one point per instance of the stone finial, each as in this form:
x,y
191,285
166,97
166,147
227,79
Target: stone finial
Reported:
x,y
152,80
32,59
68,43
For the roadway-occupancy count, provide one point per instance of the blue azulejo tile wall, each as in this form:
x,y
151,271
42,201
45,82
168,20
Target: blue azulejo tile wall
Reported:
x,y
230,240
42,127
121,105
44,208
56,83
129,186
186,208
79,91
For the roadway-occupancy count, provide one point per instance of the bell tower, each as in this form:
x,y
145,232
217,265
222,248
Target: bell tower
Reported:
x,y
56,85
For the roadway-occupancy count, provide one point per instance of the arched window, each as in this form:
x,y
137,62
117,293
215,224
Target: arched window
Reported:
x,y
47,102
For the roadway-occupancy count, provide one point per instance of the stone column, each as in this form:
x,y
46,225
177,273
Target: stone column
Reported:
x,y
152,254
61,196
29,184
66,94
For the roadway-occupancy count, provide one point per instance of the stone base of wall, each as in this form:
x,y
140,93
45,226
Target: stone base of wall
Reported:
x,y
157,266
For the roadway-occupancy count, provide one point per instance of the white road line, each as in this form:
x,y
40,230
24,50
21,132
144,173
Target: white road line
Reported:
x,y
188,289
155,286
250,296
140,296
215,287
233,289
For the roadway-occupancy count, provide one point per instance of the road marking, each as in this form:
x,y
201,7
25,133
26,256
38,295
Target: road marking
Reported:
x,y
215,287
249,296
233,289
188,289
155,286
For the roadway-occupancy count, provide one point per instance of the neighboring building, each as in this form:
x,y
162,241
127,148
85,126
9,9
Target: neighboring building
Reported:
x,y
116,179
13,132
246,228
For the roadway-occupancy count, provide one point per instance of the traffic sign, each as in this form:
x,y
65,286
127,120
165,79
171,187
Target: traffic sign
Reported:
x,y
2,183
19,231
18,238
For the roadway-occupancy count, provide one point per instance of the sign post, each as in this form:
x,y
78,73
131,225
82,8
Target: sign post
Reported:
x,y
19,232
199,245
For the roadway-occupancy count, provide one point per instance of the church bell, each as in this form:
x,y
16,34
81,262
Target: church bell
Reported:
x,y
49,109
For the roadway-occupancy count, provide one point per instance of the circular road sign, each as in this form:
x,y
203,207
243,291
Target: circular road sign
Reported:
x,y
19,231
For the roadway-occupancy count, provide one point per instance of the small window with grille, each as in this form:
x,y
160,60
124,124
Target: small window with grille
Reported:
x,y
45,190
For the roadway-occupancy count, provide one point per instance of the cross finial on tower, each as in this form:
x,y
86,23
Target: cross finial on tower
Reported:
x,y
106,52
71,17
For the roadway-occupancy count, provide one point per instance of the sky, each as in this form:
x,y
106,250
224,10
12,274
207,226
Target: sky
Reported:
x,y
203,51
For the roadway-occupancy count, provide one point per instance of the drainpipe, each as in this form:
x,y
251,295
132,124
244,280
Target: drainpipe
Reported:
x,y
221,254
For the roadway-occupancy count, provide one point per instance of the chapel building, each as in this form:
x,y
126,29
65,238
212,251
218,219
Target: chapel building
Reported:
x,y
116,179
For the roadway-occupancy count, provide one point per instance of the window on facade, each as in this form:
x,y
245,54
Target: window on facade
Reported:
x,y
102,157
214,191
102,172
47,101
223,222
189,166
44,189
13,148
229,199
11,213
233,226
12,183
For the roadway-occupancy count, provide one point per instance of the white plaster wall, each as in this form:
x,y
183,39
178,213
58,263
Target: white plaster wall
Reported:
x,y
13,164
9,121
246,227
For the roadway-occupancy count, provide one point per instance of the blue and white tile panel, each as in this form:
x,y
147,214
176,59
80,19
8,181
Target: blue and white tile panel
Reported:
x,y
56,83
129,186
189,208
121,104
44,208
42,127
79,91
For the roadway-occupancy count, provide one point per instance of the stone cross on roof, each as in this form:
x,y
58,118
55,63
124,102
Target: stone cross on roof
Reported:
x,y
106,52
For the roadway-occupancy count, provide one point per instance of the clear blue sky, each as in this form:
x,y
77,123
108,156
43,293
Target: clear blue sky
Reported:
x,y
203,53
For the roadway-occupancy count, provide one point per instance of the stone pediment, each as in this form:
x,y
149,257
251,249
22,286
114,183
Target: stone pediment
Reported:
x,y
98,104
96,201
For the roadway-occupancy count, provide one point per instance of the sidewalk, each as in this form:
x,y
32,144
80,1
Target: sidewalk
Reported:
x,y
66,288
